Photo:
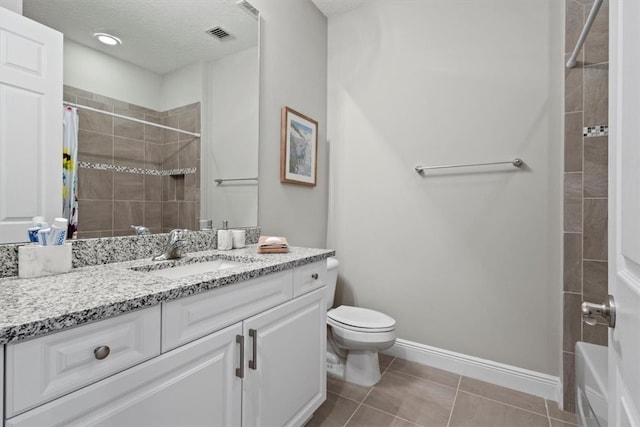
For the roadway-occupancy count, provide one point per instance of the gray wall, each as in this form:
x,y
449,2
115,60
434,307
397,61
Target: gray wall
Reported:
x,y
14,5
232,97
466,260
293,74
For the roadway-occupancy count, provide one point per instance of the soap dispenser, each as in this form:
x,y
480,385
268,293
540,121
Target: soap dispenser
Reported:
x,y
225,237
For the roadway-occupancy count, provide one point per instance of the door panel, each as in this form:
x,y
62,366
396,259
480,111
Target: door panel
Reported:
x,y
30,124
624,212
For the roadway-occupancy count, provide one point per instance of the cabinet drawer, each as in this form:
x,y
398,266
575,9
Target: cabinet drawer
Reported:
x,y
44,368
187,319
308,277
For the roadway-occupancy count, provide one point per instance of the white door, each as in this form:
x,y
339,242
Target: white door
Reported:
x,y
624,212
192,386
30,124
285,379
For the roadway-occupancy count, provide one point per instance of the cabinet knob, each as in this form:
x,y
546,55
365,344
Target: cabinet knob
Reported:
x,y
314,276
101,352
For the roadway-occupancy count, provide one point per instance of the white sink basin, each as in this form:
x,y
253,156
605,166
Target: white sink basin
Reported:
x,y
195,268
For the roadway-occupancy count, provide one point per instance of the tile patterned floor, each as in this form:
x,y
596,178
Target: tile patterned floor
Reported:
x,y
411,394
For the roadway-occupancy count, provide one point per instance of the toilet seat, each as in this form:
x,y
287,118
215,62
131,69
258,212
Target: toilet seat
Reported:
x,y
360,319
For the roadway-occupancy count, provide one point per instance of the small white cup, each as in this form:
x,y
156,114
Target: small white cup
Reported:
x,y
238,238
225,240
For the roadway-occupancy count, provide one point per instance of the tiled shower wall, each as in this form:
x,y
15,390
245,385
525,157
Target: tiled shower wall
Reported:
x,y
585,183
132,173
181,192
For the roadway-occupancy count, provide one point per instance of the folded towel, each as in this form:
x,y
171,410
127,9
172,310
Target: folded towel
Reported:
x,y
272,250
272,245
270,242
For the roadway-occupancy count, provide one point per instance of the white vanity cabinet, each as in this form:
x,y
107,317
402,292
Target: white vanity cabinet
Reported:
x,y
284,347
267,368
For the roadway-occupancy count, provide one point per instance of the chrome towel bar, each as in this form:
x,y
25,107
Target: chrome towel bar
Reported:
x,y
515,162
221,180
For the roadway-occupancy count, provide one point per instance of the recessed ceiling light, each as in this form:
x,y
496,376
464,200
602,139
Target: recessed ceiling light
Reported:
x,y
107,39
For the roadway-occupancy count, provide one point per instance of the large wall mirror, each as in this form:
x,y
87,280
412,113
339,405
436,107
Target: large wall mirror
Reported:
x,y
190,65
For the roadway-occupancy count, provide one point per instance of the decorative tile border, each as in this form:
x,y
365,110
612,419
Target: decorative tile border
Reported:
x,y
107,250
591,131
140,171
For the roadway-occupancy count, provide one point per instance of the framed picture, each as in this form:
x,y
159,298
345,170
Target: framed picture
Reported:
x,y
298,148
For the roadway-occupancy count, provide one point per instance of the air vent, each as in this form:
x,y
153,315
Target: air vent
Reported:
x,y
218,33
248,7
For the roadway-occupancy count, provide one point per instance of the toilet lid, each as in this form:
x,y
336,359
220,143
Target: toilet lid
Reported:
x,y
358,318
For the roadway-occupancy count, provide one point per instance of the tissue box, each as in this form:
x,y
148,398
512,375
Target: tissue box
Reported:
x,y
36,260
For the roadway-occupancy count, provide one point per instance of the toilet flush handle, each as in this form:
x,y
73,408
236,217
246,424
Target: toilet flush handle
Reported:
x,y
606,311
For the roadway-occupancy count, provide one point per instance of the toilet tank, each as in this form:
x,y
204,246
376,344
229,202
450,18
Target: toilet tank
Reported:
x,y
332,279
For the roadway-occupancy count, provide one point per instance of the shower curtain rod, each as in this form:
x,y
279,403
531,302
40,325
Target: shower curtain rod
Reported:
x,y
583,35
120,116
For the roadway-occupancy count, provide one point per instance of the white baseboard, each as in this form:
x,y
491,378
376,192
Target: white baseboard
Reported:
x,y
536,383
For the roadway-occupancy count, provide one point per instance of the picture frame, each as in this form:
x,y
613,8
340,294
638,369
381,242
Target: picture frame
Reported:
x,y
298,148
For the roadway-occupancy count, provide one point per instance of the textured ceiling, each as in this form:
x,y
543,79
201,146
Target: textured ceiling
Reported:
x,y
335,7
159,35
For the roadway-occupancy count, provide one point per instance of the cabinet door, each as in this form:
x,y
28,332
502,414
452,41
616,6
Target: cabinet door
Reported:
x,y
288,381
30,124
194,385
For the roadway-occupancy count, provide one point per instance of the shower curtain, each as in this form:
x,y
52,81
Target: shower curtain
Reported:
x,y
70,169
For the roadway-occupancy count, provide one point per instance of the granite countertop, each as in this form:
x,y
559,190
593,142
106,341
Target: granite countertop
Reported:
x,y
37,306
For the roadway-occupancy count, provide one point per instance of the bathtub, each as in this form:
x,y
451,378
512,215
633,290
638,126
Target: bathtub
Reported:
x,y
591,385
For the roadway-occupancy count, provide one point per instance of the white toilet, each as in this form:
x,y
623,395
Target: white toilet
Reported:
x,y
354,337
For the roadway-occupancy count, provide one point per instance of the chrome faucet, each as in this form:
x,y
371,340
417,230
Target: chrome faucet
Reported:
x,y
175,243
141,230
